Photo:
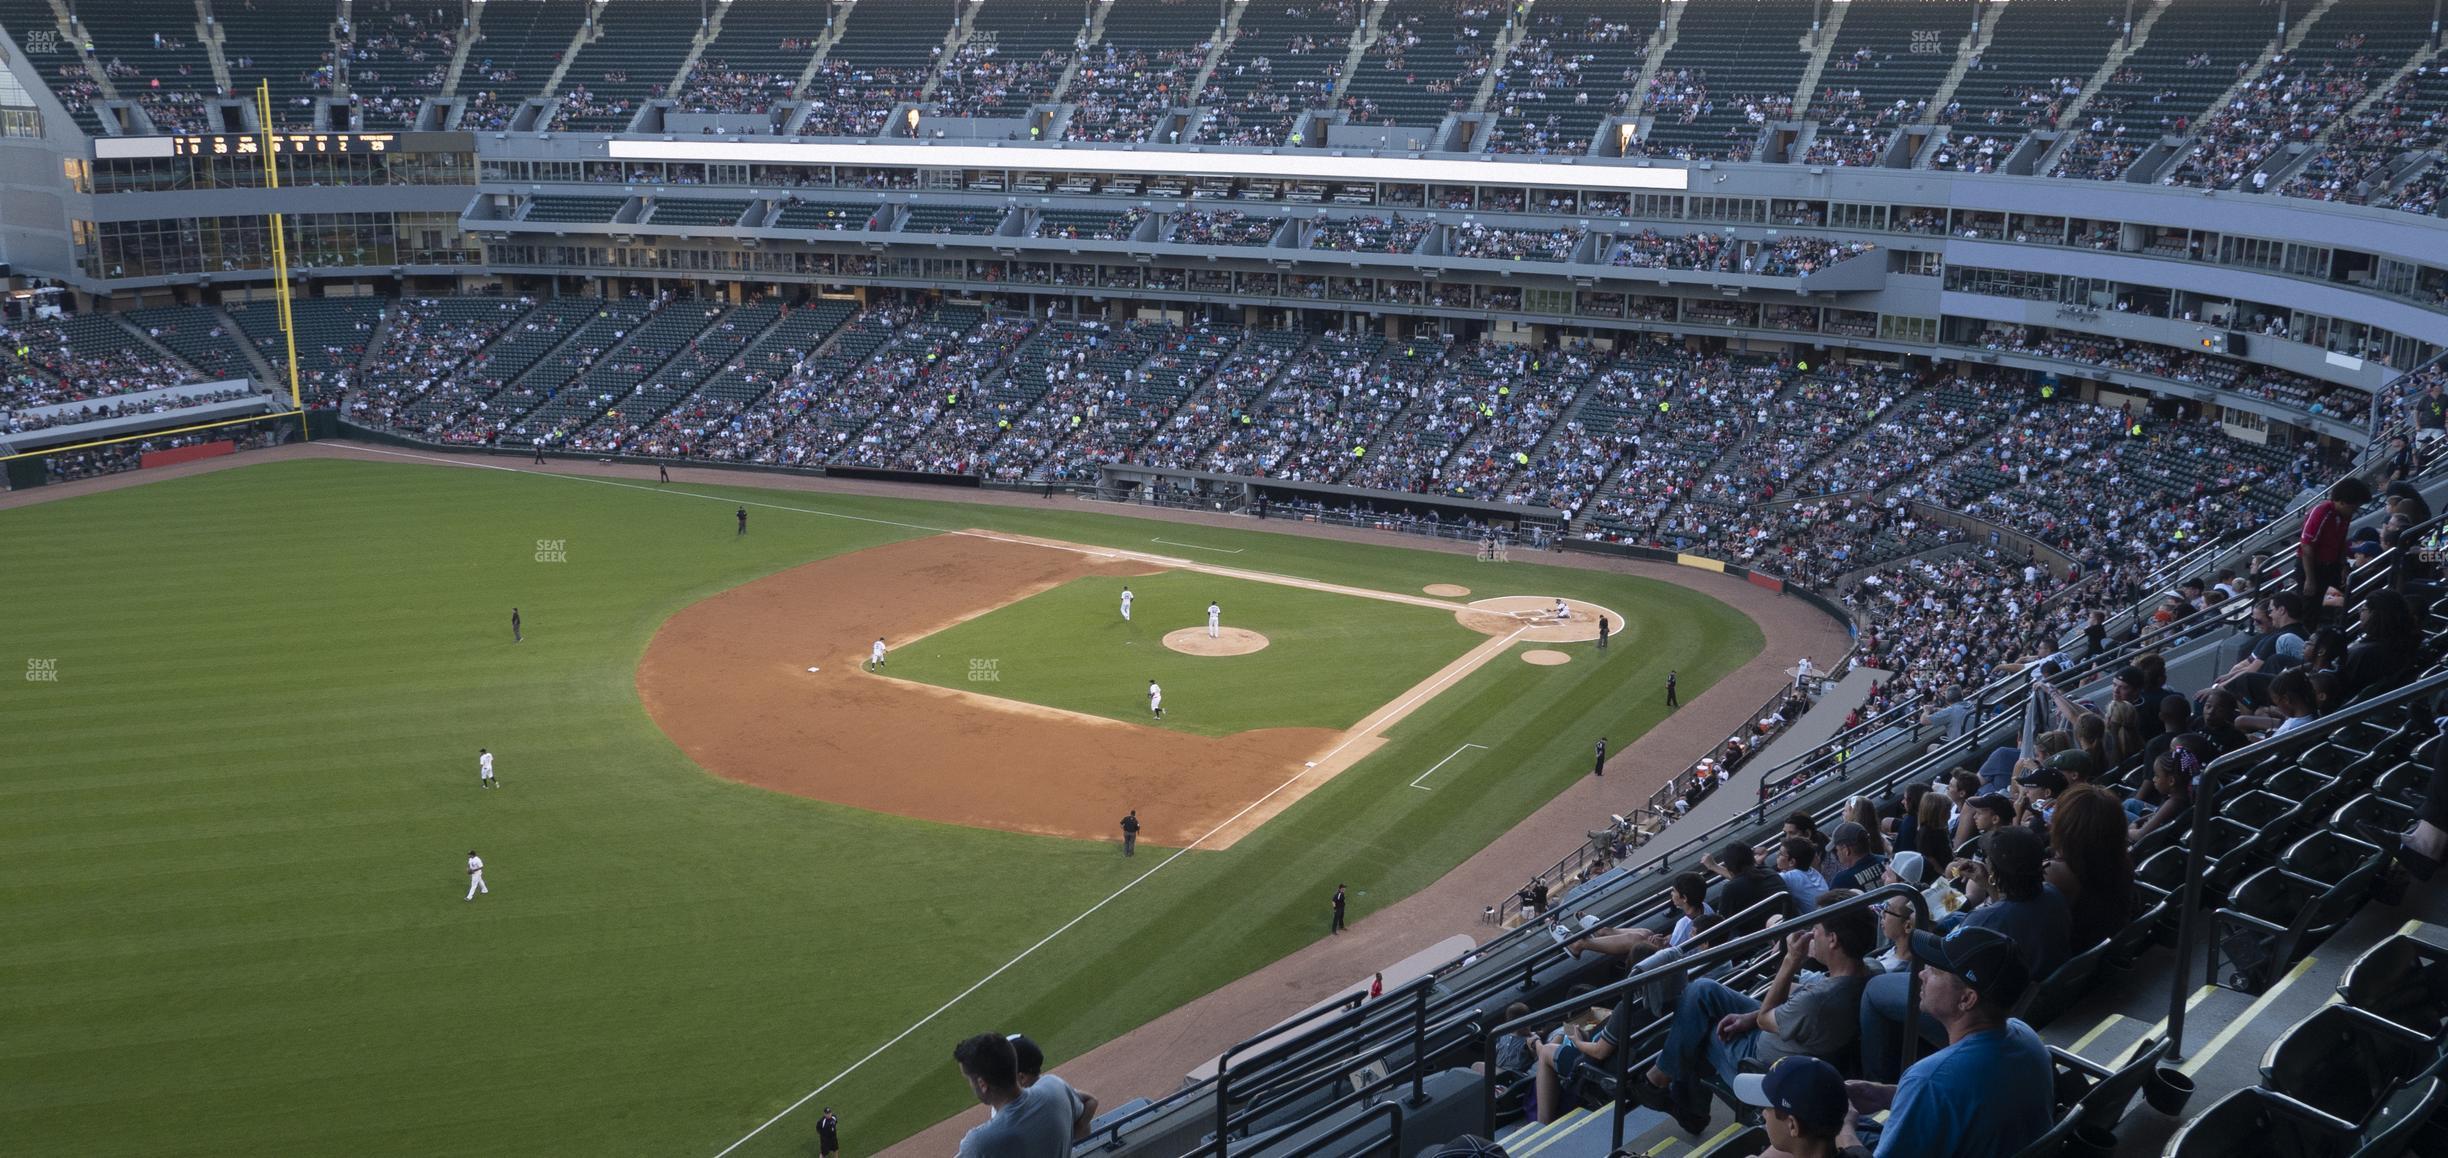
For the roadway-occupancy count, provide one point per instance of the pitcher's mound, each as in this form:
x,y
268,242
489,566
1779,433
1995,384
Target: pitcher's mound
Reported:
x,y
1545,658
1446,590
1234,641
1534,617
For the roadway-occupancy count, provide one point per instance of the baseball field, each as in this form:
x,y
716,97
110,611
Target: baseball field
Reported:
x,y
728,865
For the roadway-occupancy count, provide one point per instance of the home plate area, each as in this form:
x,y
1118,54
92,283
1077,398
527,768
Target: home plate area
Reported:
x,y
1534,616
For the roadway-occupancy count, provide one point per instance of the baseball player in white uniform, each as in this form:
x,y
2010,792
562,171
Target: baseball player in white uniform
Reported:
x,y
475,875
1155,700
1126,602
484,769
1562,612
875,655
1215,621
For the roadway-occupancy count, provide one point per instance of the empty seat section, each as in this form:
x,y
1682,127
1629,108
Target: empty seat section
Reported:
x,y
1733,68
519,44
630,61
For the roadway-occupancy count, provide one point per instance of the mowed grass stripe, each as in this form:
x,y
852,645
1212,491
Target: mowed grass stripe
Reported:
x,y
231,833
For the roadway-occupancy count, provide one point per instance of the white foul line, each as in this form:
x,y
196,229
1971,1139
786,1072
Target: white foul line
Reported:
x,y
1196,547
1066,926
1441,763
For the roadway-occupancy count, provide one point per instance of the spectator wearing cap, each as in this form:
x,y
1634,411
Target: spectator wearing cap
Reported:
x,y
2008,893
1035,1082
1716,1028
2036,793
1988,1093
1849,846
1802,1103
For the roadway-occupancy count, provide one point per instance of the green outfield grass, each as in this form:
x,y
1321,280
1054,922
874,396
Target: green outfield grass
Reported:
x,y
1330,660
232,830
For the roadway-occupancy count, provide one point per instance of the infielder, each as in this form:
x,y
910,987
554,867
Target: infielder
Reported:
x,y
1155,700
475,875
1215,621
875,655
1126,602
484,769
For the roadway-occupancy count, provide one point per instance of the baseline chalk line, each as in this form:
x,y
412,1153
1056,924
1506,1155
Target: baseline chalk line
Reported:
x,y
1441,763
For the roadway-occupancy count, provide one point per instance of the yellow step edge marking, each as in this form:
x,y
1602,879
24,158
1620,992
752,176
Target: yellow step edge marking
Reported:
x,y
2084,1042
1724,1134
2158,1028
2236,1026
1545,1128
1563,1131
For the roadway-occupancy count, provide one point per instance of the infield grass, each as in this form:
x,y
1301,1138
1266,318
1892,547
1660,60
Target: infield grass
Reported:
x,y
1330,658
232,832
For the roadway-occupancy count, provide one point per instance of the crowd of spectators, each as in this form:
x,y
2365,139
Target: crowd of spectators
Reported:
x,y
713,86
43,364
403,56
1120,95
851,100
1369,234
2179,365
1497,243
1557,63
2355,165
1223,227
2288,105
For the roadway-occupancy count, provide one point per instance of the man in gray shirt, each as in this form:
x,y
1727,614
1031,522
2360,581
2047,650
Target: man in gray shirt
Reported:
x,y
1025,1124
1079,1103
1719,1029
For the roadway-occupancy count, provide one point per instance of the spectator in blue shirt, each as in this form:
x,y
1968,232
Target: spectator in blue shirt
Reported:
x,y
1798,864
2008,894
1988,1093
1849,848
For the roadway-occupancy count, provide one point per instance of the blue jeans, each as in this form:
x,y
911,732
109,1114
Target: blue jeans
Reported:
x,y
1692,1040
1882,1026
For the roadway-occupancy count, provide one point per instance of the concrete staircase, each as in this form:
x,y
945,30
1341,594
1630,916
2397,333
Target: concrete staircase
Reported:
x,y
1094,36
459,57
824,48
1222,43
1508,38
952,46
697,47
1974,45
1658,44
589,30
2108,68
208,33
1819,56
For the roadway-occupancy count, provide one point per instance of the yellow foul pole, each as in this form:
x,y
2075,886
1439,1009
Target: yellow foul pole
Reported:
x,y
280,245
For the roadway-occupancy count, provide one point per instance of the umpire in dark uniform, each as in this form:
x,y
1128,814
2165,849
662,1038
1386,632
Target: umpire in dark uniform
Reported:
x,y
743,520
1599,768
828,1134
1337,927
1130,833
1672,700
515,636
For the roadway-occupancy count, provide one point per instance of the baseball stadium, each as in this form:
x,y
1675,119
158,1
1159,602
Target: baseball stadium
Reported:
x,y
1224,578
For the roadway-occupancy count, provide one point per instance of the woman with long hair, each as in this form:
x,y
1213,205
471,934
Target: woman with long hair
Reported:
x,y
1860,811
1930,836
2124,725
2091,862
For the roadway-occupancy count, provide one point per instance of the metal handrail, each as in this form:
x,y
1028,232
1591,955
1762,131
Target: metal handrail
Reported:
x,y
1687,965
1392,1111
2205,803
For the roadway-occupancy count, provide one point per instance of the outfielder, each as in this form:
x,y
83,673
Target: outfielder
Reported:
x,y
1215,621
484,769
475,875
1155,700
1126,602
875,655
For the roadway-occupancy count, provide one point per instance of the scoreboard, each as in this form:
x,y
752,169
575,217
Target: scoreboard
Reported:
x,y
251,144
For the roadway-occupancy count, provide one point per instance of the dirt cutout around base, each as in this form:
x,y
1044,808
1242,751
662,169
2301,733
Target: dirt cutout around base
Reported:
x,y
1506,614
1446,590
1231,641
1545,658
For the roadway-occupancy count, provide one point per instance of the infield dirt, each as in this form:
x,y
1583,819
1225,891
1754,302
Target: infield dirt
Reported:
x,y
726,678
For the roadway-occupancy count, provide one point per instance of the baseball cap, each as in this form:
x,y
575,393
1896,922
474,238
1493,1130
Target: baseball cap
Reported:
x,y
2048,778
2074,761
1848,833
1910,868
1808,1089
1986,959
